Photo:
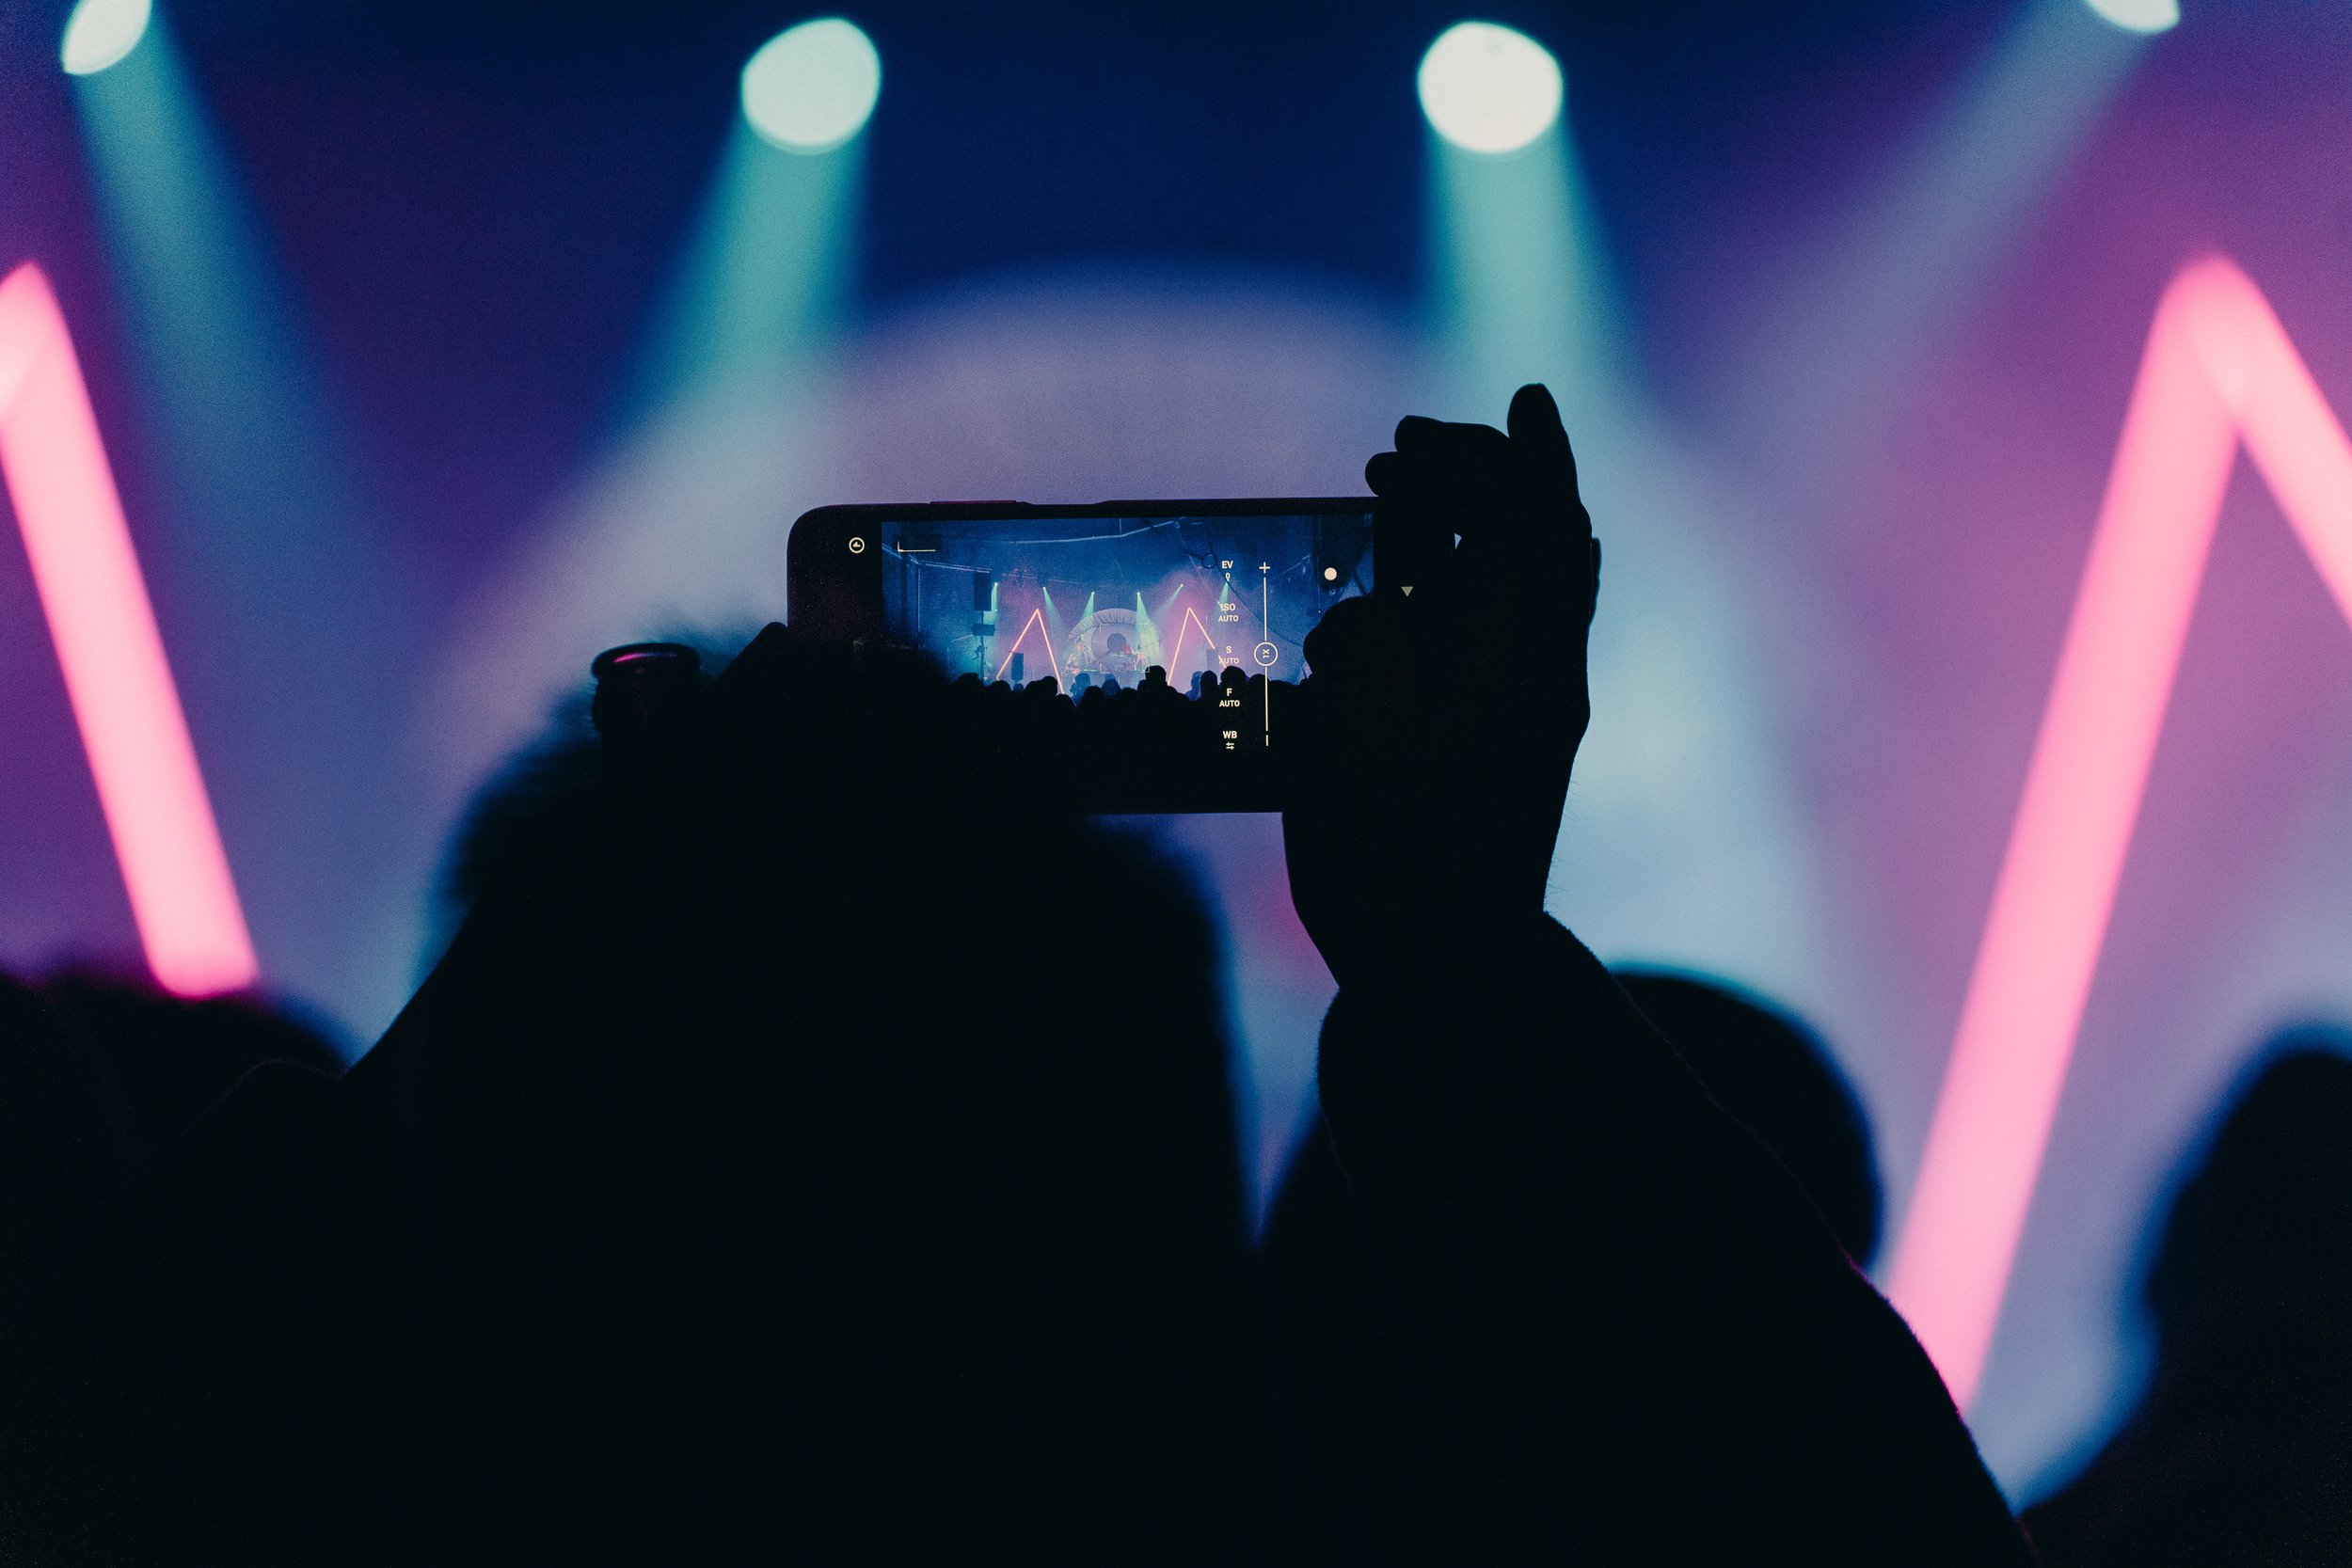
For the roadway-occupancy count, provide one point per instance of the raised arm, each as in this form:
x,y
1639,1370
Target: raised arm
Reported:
x,y
1625,1318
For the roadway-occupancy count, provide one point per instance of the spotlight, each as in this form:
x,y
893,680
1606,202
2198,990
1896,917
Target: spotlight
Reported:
x,y
1489,88
811,88
2133,16
100,32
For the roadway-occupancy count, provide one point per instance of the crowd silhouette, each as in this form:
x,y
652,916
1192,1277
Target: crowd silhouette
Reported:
x,y
2241,1447
100,1076
1122,749
724,1196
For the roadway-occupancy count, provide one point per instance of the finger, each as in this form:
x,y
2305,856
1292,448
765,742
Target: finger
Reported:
x,y
1445,441
1413,430
1345,644
1414,479
1410,471
1541,440
1534,421
1432,472
1462,474
1465,463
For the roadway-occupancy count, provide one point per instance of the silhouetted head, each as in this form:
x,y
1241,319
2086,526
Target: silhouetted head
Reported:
x,y
539,800
99,1075
2258,1246
737,1103
2241,1447
1777,1076
171,1057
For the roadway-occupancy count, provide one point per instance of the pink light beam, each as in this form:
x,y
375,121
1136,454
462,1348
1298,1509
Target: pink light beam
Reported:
x,y
2217,368
128,710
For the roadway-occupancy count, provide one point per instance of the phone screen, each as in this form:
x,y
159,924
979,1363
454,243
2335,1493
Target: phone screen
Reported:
x,y
1130,613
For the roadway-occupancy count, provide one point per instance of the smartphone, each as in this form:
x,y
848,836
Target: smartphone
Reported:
x,y
1150,651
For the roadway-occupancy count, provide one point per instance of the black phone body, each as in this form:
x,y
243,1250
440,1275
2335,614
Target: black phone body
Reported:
x,y
1147,653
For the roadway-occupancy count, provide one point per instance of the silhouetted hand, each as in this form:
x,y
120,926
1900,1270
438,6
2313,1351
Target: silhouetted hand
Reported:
x,y
1441,727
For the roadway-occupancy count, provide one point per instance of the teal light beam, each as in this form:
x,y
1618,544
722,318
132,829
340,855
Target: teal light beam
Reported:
x,y
1684,821
765,280
1525,289
286,604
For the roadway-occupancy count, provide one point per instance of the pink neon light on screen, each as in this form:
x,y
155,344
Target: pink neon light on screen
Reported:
x,y
1037,619
1193,621
2217,368
120,685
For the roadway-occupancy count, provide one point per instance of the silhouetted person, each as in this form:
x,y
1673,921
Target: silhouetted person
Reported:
x,y
1611,1325
723,1196
2241,1451
1777,1078
64,1150
99,1077
718,1197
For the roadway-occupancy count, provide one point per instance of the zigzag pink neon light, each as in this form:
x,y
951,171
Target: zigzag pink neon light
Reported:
x,y
1190,620
2218,367
115,671
1037,618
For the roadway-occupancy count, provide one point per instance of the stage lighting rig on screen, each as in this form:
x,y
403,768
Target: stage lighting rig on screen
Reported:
x,y
101,33
2139,16
811,88
1489,88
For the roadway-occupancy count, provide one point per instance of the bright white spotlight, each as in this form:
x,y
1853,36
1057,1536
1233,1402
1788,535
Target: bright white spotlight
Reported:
x,y
100,32
811,88
2139,16
1489,88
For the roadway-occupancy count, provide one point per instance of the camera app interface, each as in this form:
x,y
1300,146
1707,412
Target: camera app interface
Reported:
x,y
1189,629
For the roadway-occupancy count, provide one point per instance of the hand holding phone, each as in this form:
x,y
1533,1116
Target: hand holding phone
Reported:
x,y
1148,655
1440,732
